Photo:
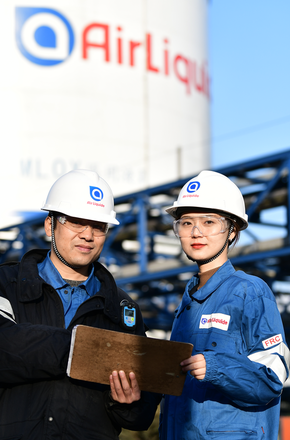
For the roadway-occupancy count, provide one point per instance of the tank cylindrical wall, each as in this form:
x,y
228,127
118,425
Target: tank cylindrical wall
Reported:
x,y
118,86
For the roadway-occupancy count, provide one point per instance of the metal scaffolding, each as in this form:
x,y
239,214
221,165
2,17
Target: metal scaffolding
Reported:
x,y
146,258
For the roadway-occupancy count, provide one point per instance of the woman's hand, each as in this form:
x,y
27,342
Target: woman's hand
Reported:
x,y
196,365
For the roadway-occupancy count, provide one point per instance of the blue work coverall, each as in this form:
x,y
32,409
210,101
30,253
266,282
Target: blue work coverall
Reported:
x,y
233,320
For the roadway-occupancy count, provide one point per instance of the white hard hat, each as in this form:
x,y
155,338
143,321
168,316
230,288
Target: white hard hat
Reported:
x,y
212,192
82,194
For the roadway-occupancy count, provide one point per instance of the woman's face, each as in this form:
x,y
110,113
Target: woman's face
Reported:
x,y
198,244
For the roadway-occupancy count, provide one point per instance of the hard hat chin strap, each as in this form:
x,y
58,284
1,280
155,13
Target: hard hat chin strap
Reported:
x,y
202,262
54,244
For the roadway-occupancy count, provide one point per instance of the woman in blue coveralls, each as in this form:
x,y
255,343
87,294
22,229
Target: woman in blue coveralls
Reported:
x,y
240,359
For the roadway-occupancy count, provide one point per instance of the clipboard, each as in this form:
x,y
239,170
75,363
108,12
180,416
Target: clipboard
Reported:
x,y
95,353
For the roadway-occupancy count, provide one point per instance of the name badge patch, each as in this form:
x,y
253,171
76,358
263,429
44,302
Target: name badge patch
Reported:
x,y
217,320
274,340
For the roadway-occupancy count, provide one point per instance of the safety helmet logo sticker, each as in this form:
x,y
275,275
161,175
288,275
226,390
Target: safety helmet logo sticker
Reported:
x,y
193,186
96,193
43,35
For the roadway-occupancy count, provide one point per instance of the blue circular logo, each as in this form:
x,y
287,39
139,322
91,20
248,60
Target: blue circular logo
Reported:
x,y
193,186
43,35
204,320
96,193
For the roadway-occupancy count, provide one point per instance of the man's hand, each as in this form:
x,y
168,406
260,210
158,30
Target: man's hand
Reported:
x,y
121,390
196,365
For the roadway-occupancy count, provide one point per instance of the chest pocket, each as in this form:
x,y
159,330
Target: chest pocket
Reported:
x,y
214,340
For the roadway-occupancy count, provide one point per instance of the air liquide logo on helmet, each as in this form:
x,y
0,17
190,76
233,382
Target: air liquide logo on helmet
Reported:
x,y
97,195
217,320
44,36
192,187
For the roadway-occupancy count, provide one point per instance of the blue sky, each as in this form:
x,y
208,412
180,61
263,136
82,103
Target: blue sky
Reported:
x,y
249,53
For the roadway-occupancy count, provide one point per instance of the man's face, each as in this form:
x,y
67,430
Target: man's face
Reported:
x,y
79,249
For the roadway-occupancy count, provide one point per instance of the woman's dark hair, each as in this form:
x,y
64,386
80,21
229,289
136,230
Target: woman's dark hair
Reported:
x,y
237,231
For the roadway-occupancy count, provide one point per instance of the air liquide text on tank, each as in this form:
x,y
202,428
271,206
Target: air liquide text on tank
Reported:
x,y
120,87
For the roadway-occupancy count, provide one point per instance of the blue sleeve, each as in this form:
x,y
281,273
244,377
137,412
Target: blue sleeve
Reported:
x,y
254,374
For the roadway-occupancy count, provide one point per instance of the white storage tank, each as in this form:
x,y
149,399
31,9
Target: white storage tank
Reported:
x,y
118,86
